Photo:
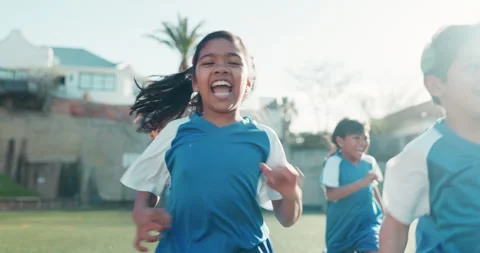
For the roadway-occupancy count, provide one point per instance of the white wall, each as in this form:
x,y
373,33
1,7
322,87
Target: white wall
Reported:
x,y
254,107
310,161
121,94
17,52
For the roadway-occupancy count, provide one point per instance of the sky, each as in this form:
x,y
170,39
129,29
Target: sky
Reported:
x,y
379,41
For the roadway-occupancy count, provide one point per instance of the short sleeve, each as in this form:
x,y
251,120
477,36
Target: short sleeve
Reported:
x,y
275,159
375,168
149,171
331,172
406,186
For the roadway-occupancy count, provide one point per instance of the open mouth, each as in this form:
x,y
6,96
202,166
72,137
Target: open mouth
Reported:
x,y
221,89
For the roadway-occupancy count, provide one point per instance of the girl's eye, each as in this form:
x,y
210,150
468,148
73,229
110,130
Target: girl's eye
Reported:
x,y
207,63
234,63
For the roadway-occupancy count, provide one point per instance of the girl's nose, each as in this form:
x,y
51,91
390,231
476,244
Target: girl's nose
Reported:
x,y
221,68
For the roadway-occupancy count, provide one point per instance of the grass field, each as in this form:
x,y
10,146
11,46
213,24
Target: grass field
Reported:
x,y
112,231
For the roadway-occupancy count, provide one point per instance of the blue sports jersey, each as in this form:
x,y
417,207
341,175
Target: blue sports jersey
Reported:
x,y
437,178
353,222
216,187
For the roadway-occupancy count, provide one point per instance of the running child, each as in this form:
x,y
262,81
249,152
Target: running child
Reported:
x,y
221,167
350,178
437,176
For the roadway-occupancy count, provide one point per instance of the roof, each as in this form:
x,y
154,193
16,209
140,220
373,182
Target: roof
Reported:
x,y
426,109
416,113
80,57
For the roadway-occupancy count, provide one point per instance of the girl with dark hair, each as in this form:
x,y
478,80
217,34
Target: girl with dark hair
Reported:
x,y
220,167
350,178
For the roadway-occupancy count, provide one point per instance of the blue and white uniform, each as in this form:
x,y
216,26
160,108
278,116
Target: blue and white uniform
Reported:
x,y
437,178
353,223
216,186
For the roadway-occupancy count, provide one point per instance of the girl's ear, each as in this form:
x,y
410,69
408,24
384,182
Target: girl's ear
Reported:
x,y
340,141
249,85
194,84
251,74
434,85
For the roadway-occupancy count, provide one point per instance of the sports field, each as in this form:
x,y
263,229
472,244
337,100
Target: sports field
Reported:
x,y
112,231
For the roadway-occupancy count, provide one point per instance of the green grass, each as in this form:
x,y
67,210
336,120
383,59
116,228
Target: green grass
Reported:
x,y
112,231
8,188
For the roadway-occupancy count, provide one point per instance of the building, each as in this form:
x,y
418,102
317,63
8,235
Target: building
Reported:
x,y
265,110
412,121
391,133
76,150
85,74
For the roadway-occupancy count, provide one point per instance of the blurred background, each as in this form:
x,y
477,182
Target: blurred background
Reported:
x,y
67,71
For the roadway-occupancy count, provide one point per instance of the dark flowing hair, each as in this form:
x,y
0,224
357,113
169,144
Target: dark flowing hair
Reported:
x,y
170,97
346,127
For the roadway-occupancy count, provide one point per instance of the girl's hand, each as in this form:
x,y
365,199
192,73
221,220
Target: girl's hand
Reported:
x,y
369,178
149,220
284,180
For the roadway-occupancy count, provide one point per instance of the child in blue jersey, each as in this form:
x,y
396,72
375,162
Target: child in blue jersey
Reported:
x,y
436,178
350,177
220,167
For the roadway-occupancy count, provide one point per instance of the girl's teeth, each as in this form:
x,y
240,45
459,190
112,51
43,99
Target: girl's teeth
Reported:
x,y
220,83
221,95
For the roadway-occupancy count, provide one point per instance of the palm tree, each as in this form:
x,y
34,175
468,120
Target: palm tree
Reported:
x,y
178,37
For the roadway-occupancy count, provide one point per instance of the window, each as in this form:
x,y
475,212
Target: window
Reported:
x,y
6,74
12,74
21,74
96,82
109,82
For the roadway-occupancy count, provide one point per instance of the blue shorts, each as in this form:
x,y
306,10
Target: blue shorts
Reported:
x,y
366,243
264,247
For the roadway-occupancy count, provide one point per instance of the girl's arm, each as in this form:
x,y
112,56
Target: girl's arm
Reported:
x,y
393,236
288,211
142,200
378,197
405,195
281,183
337,193
145,199
286,192
149,175
148,219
